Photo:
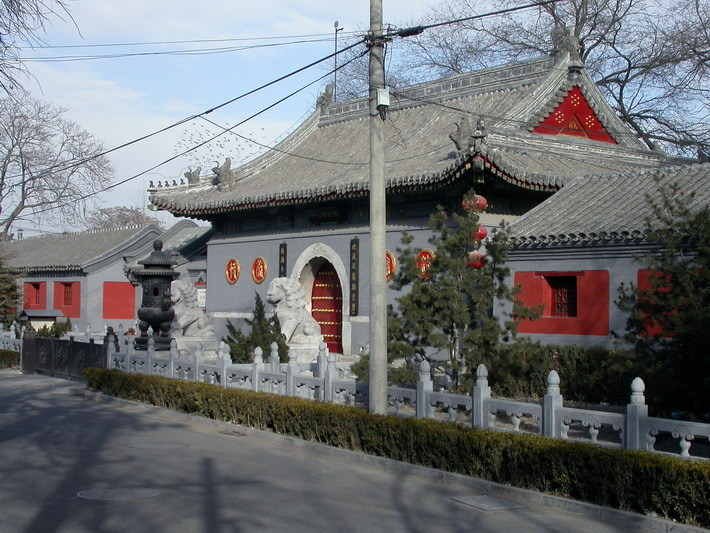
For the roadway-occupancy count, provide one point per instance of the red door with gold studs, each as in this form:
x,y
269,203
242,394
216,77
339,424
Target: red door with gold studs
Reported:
x,y
327,306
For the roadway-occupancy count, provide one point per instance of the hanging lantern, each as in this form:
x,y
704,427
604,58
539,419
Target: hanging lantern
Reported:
x,y
477,260
481,234
477,203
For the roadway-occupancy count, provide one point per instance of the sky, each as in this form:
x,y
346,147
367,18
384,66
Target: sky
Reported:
x,y
119,99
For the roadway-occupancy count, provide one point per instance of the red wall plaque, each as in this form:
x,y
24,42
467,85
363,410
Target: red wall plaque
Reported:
x,y
258,270
231,271
391,265
424,259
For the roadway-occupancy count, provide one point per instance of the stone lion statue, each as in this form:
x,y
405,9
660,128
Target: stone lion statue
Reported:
x,y
190,320
297,324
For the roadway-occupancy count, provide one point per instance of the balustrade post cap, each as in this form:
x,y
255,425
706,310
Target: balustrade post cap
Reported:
x,y
638,386
553,378
331,358
292,355
482,371
258,352
424,367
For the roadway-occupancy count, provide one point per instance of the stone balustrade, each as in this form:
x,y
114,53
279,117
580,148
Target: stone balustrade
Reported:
x,y
325,380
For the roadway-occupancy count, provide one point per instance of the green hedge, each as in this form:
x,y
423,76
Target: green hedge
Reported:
x,y
634,481
9,358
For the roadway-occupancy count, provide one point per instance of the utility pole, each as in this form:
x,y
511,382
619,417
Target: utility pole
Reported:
x,y
335,57
378,301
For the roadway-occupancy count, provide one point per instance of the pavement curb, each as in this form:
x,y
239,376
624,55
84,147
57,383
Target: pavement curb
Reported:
x,y
628,520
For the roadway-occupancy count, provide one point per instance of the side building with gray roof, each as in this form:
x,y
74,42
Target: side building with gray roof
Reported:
x,y
84,277
573,251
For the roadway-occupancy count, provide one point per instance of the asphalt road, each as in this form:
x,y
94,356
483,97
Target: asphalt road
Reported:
x,y
70,465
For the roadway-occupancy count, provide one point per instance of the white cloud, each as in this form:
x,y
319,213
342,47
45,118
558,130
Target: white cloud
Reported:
x,y
122,99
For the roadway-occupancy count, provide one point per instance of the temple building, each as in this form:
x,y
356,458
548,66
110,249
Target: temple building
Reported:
x,y
517,133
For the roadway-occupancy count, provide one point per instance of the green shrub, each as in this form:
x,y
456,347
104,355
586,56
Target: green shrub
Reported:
x,y
634,481
9,358
56,330
263,332
587,373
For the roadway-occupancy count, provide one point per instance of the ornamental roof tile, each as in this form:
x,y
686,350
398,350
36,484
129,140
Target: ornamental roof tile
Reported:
x,y
608,208
327,156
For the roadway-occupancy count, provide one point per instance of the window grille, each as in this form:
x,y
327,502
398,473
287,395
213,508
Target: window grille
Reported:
x,y
564,296
67,294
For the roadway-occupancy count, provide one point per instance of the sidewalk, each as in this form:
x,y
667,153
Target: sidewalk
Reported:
x,y
74,465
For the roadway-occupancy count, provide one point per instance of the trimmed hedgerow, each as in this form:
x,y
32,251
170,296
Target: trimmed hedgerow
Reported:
x,y
634,481
9,358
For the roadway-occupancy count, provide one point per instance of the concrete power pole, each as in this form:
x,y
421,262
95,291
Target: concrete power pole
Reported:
x,y
378,300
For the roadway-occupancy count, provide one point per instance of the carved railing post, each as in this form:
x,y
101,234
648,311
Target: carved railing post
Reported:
x,y
481,392
321,365
199,357
424,387
322,360
150,352
173,358
636,410
291,371
226,361
331,374
551,402
274,360
256,368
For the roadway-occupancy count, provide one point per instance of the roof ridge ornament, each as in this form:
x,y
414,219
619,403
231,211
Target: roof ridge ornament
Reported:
x,y
465,137
222,173
325,98
565,41
193,176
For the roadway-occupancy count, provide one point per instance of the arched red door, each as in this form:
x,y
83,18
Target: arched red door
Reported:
x,y
327,306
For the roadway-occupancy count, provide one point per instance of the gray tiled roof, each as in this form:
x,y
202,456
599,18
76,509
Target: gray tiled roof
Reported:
x,y
70,251
608,208
328,155
184,241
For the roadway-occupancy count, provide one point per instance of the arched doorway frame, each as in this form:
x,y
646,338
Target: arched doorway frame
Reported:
x,y
305,269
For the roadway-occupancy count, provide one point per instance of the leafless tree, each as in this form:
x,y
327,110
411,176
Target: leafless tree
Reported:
x,y
116,217
21,21
49,166
650,58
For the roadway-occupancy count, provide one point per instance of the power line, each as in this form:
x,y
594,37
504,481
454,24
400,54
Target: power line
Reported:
x,y
66,166
187,41
187,52
199,145
416,30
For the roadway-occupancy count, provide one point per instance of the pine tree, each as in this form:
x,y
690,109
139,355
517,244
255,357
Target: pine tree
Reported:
x,y
8,296
667,319
263,332
445,314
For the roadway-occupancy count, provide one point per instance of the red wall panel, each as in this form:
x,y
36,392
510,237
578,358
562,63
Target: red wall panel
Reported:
x,y
67,298
592,303
34,295
119,301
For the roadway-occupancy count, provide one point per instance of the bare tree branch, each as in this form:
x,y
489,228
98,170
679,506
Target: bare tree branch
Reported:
x,y
47,165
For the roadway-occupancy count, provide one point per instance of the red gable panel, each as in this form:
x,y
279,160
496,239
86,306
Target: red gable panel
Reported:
x,y
574,117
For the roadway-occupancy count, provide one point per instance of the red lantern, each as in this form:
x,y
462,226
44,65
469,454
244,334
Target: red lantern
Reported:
x,y
481,234
477,203
477,260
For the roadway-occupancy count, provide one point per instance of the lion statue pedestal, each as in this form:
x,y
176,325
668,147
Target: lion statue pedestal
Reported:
x,y
301,330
